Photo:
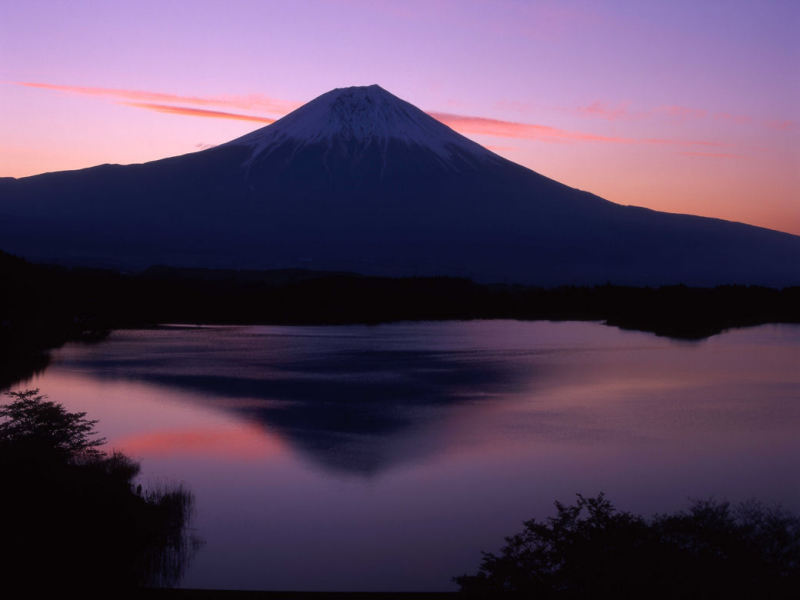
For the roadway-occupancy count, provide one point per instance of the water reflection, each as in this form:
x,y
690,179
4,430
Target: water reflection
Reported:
x,y
349,410
364,458
363,399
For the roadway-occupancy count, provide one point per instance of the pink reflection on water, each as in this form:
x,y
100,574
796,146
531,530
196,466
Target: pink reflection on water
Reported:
x,y
243,442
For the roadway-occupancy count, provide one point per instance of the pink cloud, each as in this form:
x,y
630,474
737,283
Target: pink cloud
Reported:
x,y
603,111
668,141
513,129
738,119
778,125
198,112
546,133
711,154
247,102
682,112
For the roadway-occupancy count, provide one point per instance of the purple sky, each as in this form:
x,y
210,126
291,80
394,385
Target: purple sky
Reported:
x,y
681,106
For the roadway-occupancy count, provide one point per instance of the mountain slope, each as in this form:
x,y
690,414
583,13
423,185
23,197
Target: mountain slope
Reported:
x,y
360,180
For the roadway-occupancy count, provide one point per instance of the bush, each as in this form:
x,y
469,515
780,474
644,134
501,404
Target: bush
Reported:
x,y
72,513
590,549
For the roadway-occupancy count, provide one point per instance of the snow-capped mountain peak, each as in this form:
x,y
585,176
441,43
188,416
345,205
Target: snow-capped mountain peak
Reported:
x,y
367,116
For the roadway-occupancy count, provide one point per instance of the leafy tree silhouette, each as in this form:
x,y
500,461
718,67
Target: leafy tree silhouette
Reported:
x,y
589,549
72,513
47,427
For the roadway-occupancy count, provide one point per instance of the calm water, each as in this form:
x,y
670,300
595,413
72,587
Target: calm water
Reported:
x,y
386,457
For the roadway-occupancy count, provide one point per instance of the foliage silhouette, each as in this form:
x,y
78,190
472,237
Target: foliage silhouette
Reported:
x,y
42,426
72,513
589,549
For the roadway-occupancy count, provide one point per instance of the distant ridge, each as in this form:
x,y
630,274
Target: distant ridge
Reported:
x,y
361,181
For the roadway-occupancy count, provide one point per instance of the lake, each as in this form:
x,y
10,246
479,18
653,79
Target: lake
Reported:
x,y
387,457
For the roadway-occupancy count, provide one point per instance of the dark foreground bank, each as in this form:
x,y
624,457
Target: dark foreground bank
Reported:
x,y
73,516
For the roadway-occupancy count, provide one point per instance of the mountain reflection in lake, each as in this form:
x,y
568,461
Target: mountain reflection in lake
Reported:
x,y
387,457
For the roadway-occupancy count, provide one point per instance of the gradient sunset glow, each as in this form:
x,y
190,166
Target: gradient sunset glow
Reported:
x,y
685,107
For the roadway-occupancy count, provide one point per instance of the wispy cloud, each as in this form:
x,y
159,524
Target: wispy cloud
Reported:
x,y
679,142
711,154
615,112
732,118
198,112
681,112
773,124
515,129
779,125
604,111
177,105
546,133
245,102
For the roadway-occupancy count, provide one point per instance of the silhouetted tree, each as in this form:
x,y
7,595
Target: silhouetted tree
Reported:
x,y
72,513
32,422
590,549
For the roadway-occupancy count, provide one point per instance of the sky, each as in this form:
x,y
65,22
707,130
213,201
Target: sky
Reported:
x,y
682,106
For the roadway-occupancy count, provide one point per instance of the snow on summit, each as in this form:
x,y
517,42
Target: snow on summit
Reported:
x,y
366,115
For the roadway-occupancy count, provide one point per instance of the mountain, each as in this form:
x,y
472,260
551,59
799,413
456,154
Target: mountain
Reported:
x,y
359,180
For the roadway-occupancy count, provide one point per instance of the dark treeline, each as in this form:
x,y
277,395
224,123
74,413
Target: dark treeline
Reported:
x,y
43,306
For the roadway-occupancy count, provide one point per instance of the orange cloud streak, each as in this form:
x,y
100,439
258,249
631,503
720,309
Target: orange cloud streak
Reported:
x,y
249,102
513,129
198,112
